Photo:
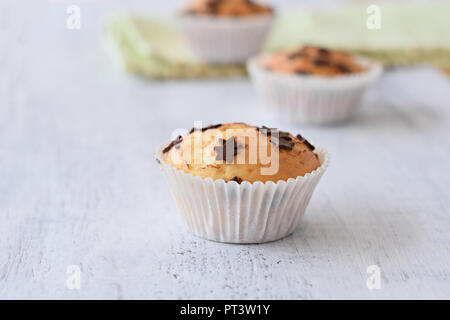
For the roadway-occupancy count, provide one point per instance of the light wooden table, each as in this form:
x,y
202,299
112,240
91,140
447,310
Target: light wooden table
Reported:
x,y
79,186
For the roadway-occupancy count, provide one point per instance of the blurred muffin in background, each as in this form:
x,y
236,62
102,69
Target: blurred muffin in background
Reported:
x,y
311,60
225,31
226,8
312,84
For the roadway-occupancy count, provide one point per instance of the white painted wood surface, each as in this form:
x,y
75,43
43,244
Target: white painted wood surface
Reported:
x,y
79,186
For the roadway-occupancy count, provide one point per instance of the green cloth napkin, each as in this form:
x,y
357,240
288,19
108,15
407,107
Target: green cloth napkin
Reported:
x,y
409,34
155,49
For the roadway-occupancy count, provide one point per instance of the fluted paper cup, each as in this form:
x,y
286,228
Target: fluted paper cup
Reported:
x,y
241,213
313,99
225,40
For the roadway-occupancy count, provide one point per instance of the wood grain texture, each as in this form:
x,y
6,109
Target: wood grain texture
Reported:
x,y
78,183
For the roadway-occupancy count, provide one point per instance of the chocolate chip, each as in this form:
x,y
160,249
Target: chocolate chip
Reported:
x,y
284,140
266,130
172,144
342,68
237,179
274,131
227,149
214,126
157,160
306,142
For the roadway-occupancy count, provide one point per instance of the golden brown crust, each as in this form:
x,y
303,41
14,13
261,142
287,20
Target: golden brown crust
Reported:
x,y
224,152
310,60
226,8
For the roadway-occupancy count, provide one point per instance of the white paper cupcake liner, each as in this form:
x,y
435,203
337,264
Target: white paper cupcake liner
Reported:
x,y
225,40
313,99
241,213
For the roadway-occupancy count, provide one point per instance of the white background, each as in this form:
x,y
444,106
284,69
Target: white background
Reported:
x,y
79,186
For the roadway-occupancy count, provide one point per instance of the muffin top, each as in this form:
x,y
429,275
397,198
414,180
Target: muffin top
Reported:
x,y
310,60
226,8
239,152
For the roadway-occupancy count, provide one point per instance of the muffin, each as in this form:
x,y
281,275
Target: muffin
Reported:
x,y
312,84
241,184
225,31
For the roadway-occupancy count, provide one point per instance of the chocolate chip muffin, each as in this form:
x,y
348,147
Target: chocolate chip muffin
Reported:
x,y
310,60
225,151
227,191
226,8
225,31
312,85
